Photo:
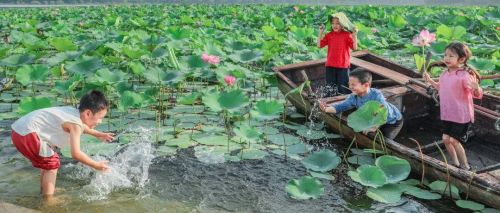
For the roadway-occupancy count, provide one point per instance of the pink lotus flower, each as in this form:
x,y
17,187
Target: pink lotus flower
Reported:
x,y
374,30
229,79
211,59
424,38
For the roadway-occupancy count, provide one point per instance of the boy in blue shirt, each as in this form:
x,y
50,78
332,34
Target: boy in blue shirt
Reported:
x,y
359,83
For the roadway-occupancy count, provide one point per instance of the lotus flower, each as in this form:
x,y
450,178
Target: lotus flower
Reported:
x,y
374,30
211,59
424,38
229,79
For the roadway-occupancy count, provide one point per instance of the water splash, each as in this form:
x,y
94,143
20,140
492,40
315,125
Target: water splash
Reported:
x,y
129,168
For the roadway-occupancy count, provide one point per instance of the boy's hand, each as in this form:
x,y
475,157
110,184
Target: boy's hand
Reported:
x,y
373,129
102,166
105,137
323,107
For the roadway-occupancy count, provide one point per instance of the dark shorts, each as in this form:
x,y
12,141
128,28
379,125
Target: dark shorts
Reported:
x,y
391,130
337,79
458,131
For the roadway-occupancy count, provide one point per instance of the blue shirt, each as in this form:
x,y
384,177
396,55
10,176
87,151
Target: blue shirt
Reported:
x,y
354,101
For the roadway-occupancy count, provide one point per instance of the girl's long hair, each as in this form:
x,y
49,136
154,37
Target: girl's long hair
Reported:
x,y
463,51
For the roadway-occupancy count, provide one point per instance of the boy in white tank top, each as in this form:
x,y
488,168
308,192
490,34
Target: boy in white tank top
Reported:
x,y
36,133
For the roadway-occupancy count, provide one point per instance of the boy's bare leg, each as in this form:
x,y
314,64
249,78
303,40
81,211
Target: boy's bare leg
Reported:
x,y
48,181
460,153
451,149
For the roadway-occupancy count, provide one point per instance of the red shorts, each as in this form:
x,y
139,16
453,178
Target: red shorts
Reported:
x,y
29,146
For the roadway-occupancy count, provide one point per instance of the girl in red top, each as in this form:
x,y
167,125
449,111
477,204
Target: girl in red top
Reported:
x,y
338,62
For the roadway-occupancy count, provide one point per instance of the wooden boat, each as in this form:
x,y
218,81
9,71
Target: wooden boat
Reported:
x,y
421,114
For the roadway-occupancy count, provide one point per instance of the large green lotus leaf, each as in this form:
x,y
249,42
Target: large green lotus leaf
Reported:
x,y
301,33
418,192
371,114
231,101
137,68
389,193
396,21
189,99
395,169
354,176
178,33
450,33
17,60
361,160
29,104
134,52
267,110
440,186
156,75
371,176
468,204
130,100
326,176
487,83
108,77
63,44
306,187
87,65
282,139
30,73
194,62
65,86
183,141
213,49
213,140
482,64
268,130
252,154
322,161
299,148
248,133
245,56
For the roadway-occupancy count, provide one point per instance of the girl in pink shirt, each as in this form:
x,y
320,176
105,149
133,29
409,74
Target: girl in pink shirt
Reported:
x,y
457,85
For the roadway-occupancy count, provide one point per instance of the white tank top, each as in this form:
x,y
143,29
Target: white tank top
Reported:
x,y
47,124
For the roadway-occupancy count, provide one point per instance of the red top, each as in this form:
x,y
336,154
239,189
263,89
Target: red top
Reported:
x,y
339,49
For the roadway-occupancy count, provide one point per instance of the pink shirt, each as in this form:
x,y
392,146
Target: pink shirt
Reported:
x,y
455,96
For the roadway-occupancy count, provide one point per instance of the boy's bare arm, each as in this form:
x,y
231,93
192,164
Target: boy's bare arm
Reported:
x,y
106,137
74,139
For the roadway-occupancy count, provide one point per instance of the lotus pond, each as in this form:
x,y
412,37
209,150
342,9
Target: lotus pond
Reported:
x,y
200,124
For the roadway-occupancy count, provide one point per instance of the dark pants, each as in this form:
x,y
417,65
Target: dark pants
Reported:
x,y
337,80
391,130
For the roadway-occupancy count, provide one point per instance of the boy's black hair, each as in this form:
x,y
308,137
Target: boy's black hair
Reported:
x,y
362,74
93,100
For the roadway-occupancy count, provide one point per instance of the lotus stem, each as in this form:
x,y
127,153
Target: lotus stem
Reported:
x,y
421,159
348,149
468,185
448,185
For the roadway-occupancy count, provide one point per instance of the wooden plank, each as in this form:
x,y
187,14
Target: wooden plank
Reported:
x,y
304,64
489,168
390,74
